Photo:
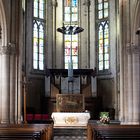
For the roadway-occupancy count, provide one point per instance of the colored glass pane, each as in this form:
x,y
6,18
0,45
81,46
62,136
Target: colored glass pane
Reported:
x,y
100,49
38,34
105,13
41,42
67,38
41,50
106,5
35,49
100,6
67,2
100,16
100,57
35,56
101,65
35,64
35,8
106,56
106,64
41,6
67,10
74,2
74,17
103,34
74,44
106,49
67,51
75,51
71,18
35,41
41,57
67,17
41,14
74,9
41,65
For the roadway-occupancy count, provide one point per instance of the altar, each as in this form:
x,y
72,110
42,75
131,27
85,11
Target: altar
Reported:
x,y
70,118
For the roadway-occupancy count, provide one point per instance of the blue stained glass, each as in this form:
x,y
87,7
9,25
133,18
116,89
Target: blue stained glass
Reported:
x,y
74,2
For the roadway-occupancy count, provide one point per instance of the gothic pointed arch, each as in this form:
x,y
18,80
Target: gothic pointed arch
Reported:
x,y
3,24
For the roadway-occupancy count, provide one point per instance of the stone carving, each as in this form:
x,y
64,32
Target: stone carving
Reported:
x,y
135,48
132,48
9,49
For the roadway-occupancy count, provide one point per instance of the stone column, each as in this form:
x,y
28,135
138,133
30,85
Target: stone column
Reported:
x,y
5,86
12,82
130,84
136,84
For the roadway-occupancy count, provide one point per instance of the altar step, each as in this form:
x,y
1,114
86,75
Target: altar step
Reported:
x,y
72,133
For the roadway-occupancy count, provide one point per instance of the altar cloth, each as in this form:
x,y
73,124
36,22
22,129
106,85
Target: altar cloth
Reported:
x,y
70,118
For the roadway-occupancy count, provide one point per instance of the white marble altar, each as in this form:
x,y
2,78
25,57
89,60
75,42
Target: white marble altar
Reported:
x,y
70,118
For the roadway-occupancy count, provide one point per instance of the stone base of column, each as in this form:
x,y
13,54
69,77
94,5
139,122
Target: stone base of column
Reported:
x,y
5,121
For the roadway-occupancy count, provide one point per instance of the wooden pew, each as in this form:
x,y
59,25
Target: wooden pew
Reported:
x,y
113,132
26,131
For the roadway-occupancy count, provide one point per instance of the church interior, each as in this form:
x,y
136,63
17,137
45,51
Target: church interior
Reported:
x,y
60,57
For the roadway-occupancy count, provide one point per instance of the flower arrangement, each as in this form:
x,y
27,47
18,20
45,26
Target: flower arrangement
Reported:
x,y
104,118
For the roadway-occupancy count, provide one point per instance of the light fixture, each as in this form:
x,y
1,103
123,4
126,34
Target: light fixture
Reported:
x,y
70,30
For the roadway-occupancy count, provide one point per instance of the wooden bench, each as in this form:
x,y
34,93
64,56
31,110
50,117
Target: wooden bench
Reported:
x,y
112,131
26,132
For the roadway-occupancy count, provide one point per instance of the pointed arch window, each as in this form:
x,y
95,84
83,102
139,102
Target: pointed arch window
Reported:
x,y
71,18
102,26
38,34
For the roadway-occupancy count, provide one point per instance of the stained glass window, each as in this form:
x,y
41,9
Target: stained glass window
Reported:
x,y
102,25
71,18
38,34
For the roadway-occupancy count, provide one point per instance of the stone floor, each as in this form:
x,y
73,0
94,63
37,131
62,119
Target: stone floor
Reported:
x,y
69,138
70,134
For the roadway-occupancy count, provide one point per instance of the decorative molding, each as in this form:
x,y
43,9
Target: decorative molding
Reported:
x,y
135,49
128,48
54,3
8,50
132,48
87,3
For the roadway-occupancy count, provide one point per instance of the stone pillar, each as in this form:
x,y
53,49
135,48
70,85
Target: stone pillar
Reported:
x,y
5,86
12,82
136,84
130,85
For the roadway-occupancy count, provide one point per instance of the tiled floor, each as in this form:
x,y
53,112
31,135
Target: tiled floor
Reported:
x,y
69,138
70,133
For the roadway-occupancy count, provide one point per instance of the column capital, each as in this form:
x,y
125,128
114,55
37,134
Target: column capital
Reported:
x,y
54,3
132,48
8,50
135,49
